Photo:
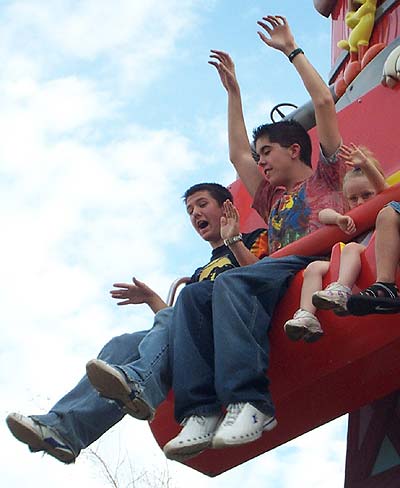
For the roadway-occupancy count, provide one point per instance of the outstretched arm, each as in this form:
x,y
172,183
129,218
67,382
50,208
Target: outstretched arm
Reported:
x,y
137,293
280,38
239,146
229,229
359,158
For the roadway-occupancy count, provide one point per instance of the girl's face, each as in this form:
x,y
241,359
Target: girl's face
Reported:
x,y
358,190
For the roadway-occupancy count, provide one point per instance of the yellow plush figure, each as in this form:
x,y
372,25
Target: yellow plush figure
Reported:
x,y
361,21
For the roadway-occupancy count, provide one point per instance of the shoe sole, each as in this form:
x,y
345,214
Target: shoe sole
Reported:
x,y
311,337
183,453
27,435
220,443
295,332
325,304
111,384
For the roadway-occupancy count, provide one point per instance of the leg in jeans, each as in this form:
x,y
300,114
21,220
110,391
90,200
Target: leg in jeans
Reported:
x,y
151,370
82,416
244,300
192,352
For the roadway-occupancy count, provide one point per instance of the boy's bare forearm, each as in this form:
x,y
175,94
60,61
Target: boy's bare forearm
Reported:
x,y
279,36
156,303
239,145
324,106
242,254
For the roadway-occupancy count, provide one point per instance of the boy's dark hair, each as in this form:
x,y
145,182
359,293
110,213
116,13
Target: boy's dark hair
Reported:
x,y
218,192
286,133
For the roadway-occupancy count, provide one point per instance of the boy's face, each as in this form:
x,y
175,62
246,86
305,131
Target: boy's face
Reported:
x,y
275,161
358,190
205,215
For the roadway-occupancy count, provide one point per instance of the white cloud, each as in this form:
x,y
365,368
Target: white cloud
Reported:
x,y
130,39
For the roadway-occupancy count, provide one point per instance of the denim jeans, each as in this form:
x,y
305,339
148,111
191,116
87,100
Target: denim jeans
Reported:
x,y
219,337
82,416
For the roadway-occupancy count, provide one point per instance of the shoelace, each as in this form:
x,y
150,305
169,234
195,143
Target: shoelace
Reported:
x,y
232,413
200,419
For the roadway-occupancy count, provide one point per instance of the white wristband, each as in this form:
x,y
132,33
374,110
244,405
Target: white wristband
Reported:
x,y
231,240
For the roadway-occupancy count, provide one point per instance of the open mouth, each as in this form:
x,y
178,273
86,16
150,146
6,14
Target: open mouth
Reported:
x,y
202,224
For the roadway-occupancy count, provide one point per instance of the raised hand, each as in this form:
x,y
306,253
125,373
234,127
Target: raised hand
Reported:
x,y
280,35
225,68
354,156
135,293
346,224
229,221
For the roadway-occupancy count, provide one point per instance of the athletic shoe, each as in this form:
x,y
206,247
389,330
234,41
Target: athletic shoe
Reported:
x,y
334,297
243,423
39,437
303,325
111,383
194,438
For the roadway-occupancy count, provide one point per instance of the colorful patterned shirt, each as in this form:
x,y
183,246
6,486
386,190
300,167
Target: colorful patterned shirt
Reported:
x,y
292,215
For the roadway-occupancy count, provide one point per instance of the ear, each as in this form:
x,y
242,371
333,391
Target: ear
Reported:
x,y
294,151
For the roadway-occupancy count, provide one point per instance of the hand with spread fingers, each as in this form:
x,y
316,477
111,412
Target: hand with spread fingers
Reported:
x,y
137,293
280,35
225,68
229,221
354,156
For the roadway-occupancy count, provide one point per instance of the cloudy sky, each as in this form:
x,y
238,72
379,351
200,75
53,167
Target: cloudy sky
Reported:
x,y
109,111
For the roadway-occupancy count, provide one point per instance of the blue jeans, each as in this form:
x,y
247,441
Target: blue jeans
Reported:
x,y
219,337
82,416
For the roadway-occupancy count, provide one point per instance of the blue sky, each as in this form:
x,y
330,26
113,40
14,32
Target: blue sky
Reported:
x,y
109,112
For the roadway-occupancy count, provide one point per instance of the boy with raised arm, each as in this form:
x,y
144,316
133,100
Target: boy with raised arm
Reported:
x,y
133,369
288,194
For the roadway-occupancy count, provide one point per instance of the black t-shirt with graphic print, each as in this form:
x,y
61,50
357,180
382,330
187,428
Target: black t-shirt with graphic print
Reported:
x,y
222,258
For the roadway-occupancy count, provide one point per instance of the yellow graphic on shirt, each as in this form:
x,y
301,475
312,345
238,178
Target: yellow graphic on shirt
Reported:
x,y
287,204
214,268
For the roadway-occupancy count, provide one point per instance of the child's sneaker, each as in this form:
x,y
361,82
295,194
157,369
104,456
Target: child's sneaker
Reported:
x,y
334,297
39,437
303,325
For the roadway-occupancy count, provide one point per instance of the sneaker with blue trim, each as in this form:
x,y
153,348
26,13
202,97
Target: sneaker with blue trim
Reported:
x,y
112,383
194,438
243,423
39,437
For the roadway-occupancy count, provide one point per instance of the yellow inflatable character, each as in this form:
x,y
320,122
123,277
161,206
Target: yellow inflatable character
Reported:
x,y
361,21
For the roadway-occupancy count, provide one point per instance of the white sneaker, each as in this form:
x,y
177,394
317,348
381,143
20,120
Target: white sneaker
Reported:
x,y
112,383
243,423
39,437
333,297
303,325
195,437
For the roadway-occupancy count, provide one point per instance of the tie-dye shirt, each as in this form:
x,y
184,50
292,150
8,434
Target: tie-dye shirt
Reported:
x,y
292,215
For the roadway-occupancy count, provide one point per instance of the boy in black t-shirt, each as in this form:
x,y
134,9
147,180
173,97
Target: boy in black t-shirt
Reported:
x,y
133,369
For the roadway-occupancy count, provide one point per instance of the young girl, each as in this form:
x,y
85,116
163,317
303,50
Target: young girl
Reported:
x,y
361,183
